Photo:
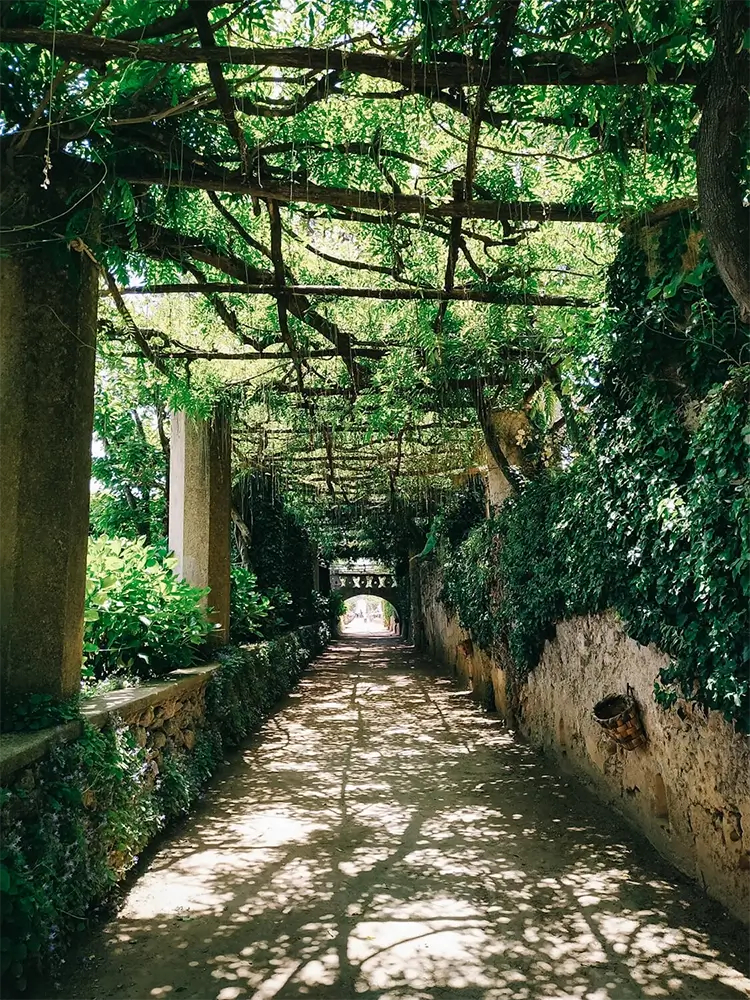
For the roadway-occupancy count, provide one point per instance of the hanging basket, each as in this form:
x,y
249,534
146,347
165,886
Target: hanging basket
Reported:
x,y
618,716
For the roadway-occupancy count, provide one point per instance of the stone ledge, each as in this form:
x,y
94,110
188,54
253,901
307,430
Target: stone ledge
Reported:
x,y
131,701
18,750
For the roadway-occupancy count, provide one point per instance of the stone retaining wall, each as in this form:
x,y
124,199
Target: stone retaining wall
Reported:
x,y
81,801
688,790
163,713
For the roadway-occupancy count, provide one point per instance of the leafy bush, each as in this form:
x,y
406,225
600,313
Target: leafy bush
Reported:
x,y
249,609
140,618
336,609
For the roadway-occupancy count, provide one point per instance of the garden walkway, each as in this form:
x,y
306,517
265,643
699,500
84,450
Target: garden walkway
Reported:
x,y
385,838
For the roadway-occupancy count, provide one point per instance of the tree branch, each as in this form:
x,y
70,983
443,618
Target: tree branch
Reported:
x,y
536,69
721,149
384,294
199,9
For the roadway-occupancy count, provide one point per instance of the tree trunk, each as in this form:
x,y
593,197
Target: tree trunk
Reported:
x,y
721,145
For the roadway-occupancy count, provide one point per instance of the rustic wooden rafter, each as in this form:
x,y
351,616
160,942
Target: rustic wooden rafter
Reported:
x,y
552,68
498,297
379,201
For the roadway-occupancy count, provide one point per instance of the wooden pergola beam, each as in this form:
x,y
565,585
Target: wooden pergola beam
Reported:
x,y
187,355
624,68
383,294
354,198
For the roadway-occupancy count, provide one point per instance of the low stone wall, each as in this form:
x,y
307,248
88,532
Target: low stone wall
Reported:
x,y
688,790
160,714
81,801
452,646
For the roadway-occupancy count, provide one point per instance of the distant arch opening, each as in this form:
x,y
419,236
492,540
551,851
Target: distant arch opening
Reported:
x,y
368,614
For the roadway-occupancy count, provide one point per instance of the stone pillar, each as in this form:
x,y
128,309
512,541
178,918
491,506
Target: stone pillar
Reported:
x,y
48,302
200,509
324,580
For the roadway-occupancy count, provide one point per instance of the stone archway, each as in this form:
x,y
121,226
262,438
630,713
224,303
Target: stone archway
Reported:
x,y
367,582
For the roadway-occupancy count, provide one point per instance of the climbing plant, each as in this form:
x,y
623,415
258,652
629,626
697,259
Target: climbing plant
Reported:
x,y
406,217
651,518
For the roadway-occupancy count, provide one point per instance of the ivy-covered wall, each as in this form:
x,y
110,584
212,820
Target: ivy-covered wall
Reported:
x,y
650,517
74,823
687,790
627,564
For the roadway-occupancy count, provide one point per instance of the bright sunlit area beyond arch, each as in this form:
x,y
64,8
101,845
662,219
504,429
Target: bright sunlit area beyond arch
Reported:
x,y
368,615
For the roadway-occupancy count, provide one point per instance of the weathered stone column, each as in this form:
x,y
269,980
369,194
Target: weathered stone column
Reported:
x,y
200,509
48,301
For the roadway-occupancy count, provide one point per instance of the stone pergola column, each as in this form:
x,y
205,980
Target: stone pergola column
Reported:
x,y
48,302
200,509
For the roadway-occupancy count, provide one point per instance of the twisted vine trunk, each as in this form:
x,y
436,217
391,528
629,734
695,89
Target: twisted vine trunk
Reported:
x,y
722,139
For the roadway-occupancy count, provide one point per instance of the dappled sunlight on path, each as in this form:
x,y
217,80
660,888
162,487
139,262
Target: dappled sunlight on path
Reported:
x,y
385,838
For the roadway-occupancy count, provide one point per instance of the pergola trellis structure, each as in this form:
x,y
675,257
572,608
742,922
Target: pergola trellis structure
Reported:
x,y
181,147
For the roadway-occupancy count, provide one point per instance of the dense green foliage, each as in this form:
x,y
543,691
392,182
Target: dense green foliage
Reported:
x,y
130,455
652,518
249,609
141,619
76,823
279,552
341,394
463,509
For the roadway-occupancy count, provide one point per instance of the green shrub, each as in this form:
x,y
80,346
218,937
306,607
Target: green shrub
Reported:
x,y
140,619
336,609
249,610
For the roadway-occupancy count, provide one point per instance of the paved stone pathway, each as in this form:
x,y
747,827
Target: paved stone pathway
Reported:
x,y
383,838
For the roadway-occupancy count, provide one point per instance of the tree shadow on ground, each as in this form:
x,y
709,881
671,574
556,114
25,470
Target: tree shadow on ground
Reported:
x,y
383,838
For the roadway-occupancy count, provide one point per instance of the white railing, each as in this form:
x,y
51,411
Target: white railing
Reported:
x,y
357,580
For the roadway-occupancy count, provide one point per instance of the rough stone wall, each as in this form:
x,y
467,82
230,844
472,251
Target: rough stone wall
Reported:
x,y
688,790
170,725
452,645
